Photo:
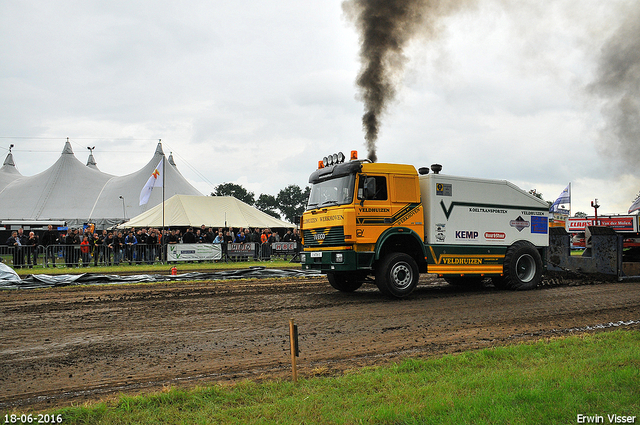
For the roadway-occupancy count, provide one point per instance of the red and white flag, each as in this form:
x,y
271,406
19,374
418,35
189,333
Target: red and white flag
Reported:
x,y
154,181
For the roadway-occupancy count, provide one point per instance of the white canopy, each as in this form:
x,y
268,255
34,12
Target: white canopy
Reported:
x,y
76,193
212,211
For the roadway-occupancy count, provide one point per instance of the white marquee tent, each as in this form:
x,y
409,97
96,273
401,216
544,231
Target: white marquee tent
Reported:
x,y
76,193
8,171
212,211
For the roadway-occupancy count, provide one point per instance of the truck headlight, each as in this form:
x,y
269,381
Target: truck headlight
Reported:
x,y
303,258
339,257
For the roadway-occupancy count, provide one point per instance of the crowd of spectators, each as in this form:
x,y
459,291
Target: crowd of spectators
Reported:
x,y
75,247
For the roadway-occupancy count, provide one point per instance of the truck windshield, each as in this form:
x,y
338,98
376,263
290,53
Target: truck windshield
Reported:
x,y
338,191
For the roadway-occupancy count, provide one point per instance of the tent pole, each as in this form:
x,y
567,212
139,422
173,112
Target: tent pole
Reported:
x,y
164,172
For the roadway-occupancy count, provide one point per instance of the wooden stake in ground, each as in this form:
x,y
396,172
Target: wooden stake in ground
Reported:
x,y
293,335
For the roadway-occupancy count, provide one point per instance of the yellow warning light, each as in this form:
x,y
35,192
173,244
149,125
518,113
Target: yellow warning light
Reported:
x,y
354,155
320,164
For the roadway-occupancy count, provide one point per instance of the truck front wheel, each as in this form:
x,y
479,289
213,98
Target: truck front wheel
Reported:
x,y
397,275
522,267
345,282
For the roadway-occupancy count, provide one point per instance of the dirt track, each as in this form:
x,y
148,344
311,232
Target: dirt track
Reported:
x,y
70,344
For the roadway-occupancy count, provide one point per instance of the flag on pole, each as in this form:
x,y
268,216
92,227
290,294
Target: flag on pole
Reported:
x,y
154,181
635,206
564,198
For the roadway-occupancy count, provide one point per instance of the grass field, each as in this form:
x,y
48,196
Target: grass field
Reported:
x,y
547,382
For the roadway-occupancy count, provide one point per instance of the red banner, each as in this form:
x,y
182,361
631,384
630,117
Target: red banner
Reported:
x,y
623,223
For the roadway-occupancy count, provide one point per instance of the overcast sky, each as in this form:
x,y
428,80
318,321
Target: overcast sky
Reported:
x,y
255,92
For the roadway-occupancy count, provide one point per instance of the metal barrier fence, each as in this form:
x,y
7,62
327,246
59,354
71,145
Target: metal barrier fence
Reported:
x,y
21,256
86,255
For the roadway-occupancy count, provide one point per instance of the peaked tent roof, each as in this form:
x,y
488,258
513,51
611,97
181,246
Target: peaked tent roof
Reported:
x,y
78,193
91,162
212,211
8,171
129,188
60,192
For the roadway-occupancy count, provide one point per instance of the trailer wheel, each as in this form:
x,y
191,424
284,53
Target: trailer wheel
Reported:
x,y
397,275
345,282
522,267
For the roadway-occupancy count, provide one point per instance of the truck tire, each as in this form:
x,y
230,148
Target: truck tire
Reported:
x,y
345,282
397,275
522,267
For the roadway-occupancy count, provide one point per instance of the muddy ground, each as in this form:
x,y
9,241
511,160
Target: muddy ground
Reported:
x,y
67,345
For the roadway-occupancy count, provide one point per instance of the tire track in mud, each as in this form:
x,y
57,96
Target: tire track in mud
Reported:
x,y
66,344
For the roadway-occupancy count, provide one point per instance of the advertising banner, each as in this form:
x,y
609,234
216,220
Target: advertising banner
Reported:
x,y
241,249
194,252
622,223
284,248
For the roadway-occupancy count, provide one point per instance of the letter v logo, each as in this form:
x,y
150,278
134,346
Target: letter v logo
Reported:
x,y
447,211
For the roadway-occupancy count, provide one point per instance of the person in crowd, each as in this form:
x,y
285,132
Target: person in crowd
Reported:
x,y
264,241
240,238
96,245
22,250
189,236
141,248
70,249
288,237
151,246
116,247
250,237
77,239
49,241
130,241
172,238
219,238
85,251
209,236
107,248
33,242
204,234
15,242
232,233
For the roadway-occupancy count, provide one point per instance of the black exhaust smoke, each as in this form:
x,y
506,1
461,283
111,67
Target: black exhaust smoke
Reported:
x,y
386,26
617,82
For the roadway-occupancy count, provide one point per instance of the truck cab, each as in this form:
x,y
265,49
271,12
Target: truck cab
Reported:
x,y
357,213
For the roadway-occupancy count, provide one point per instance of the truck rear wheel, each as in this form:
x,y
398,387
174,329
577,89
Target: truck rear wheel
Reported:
x,y
522,267
345,282
397,275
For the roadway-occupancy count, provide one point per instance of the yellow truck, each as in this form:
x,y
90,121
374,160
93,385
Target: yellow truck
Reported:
x,y
389,222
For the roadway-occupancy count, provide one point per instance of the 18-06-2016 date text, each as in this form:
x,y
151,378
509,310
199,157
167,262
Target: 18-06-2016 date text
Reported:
x,y
32,419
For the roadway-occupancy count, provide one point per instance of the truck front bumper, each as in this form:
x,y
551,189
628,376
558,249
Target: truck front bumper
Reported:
x,y
336,261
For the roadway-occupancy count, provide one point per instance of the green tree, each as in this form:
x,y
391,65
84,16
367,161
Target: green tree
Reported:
x,y
535,193
268,204
580,214
235,190
292,201
538,195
